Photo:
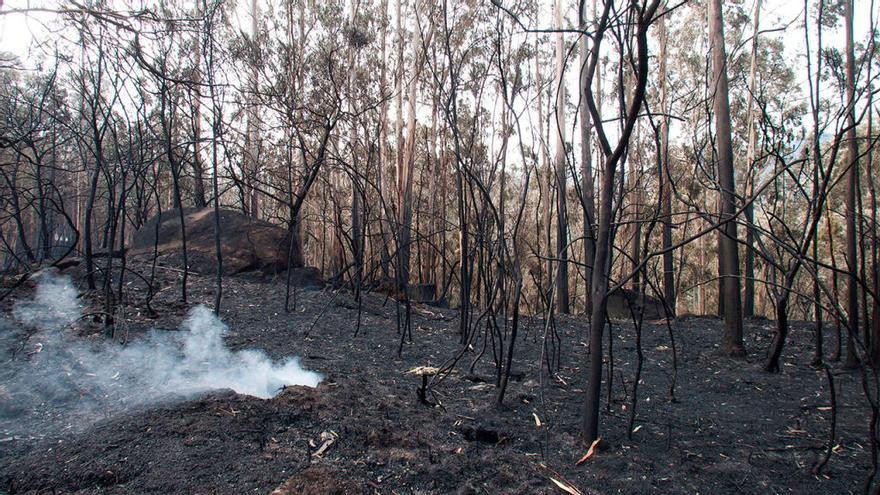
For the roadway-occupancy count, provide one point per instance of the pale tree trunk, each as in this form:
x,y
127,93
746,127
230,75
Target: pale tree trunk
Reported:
x,y
665,177
588,195
702,292
719,234
394,216
357,226
334,193
872,323
296,255
727,243
383,165
749,295
544,166
818,353
398,80
251,171
852,159
505,138
433,208
561,173
719,239
406,165
444,168
871,176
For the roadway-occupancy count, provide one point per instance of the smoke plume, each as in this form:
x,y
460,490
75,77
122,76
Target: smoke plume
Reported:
x,y
53,378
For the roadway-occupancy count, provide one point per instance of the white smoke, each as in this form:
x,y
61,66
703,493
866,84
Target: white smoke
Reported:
x,y
55,376
55,304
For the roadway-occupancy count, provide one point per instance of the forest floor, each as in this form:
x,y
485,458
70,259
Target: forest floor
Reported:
x,y
731,428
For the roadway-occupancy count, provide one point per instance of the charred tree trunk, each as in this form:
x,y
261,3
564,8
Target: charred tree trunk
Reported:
x,y
749,294
781,307
645,16
216,130
166,119
198,167
17,215
87,227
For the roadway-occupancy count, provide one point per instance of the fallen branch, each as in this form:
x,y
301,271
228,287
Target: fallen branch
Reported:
x,y
817,468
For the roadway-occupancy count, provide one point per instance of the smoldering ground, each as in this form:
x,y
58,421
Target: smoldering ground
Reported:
x,y
54,380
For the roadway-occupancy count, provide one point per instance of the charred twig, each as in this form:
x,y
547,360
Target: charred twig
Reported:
x,y
819,465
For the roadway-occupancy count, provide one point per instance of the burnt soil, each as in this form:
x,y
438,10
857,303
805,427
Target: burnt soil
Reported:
x,y
730,427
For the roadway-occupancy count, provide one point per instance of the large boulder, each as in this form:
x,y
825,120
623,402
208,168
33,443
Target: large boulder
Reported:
x,y
246,244
624,303
422,293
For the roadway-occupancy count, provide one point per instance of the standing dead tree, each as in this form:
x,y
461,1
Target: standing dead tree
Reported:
x,y
642,14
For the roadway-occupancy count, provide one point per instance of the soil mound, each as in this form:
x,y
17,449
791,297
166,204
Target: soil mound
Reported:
x,y
246,244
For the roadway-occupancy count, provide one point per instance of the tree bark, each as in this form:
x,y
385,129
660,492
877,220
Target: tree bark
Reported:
x,y
590,424
198,167
251,171
665,178
588,198
727,243
406,165
851,359
749,294
561,174
772,363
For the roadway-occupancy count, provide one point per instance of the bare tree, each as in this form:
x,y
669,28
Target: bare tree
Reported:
x,y
643,15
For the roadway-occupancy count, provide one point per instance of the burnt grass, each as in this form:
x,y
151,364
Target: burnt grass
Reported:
x,y
730,428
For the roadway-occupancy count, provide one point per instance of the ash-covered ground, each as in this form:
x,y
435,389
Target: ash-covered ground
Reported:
x,y
730,428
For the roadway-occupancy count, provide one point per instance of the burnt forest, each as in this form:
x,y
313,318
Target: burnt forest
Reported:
x,y
299,247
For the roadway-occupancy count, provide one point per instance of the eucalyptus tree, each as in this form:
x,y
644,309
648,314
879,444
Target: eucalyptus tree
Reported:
x,y
728,250
663,172
561,170
421,38
852,185
587,194
251,167
749,293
